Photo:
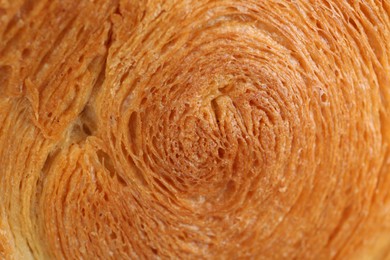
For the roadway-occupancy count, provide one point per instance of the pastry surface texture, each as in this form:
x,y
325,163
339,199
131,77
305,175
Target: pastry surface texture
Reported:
x,y
135,129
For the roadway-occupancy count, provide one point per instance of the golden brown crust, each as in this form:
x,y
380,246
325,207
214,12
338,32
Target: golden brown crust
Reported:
x,y
194,129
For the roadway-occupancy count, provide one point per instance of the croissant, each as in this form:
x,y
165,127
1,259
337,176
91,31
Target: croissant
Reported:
x,y
134,129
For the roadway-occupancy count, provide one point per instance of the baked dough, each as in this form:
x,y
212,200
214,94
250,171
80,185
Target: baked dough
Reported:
x,y
194,129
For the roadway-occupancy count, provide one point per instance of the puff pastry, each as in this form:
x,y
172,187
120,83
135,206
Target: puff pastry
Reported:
x,y
194,129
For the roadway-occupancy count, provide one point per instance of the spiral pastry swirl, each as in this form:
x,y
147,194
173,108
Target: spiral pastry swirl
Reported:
x,y
194,129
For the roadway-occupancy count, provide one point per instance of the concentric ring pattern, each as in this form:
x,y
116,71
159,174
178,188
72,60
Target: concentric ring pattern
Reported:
x,y
194,129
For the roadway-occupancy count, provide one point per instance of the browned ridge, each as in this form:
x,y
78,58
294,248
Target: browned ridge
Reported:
x,y
194,129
